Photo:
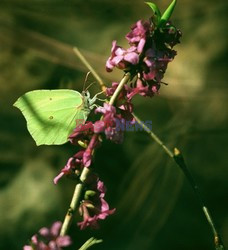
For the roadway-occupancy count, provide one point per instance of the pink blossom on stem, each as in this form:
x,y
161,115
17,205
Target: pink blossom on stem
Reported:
x,y
156,63
87,156
139,34
81,132
121,58
112,123
95,207
49,239
153,46
73,164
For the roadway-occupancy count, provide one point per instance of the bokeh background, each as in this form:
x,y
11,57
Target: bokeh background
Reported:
x,y
156,208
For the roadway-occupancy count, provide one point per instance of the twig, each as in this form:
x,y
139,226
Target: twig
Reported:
x,y
124,80
90,68
90,242
176,156
74,202
179,160
85,172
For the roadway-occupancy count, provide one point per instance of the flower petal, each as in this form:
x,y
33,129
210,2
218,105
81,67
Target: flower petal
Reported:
x,y
63,241
132,58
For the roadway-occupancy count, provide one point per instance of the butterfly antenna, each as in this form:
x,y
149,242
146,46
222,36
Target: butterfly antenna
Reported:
x,y
99,93
86,79
89,86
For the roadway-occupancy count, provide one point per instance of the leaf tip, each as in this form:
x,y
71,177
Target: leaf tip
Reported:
x,y
15,104
168,12
155,10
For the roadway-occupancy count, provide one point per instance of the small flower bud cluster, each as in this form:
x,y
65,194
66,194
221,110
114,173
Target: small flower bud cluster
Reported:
x,y
93,207
49,239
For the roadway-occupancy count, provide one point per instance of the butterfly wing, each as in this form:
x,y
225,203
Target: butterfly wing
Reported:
x,y
51,114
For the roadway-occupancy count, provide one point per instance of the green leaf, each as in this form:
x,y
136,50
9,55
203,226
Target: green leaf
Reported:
x,y
156,11
90,242
167,14
51,114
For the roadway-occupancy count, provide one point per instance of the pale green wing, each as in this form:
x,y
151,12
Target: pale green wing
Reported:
x,y
51,115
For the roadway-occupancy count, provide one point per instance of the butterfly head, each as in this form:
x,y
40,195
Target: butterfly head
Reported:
x,y
88,101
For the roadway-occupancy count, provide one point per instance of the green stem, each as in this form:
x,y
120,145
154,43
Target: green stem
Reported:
x,y
89,67
124,80
90,242
153,136
179,160
74,202
176,156
85,172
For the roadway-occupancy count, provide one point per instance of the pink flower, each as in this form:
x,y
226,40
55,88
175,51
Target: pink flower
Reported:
x,y
121,58
94,208
122,96
139,34
74,164
49,239
81,132
99,126
112,123
107,108
87,156
154,49
84,136
156,64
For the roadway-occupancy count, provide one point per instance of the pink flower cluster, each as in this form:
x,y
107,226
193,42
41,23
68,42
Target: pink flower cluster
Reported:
x,y
150,51
148,56
146,59
87,136
112,116
122,58
94,207
49,239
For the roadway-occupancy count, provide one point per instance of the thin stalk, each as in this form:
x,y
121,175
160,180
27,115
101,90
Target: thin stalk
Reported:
x,y
176,156
90,242
179,160
85,172
74,202
124,80
90,68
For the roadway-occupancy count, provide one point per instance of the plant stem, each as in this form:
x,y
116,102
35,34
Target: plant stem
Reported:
x,y
86,171
74,202
90,242
179,160
90,68
124,80
176,156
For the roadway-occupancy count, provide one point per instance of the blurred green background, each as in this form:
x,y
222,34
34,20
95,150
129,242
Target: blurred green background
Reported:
x,y
156,208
